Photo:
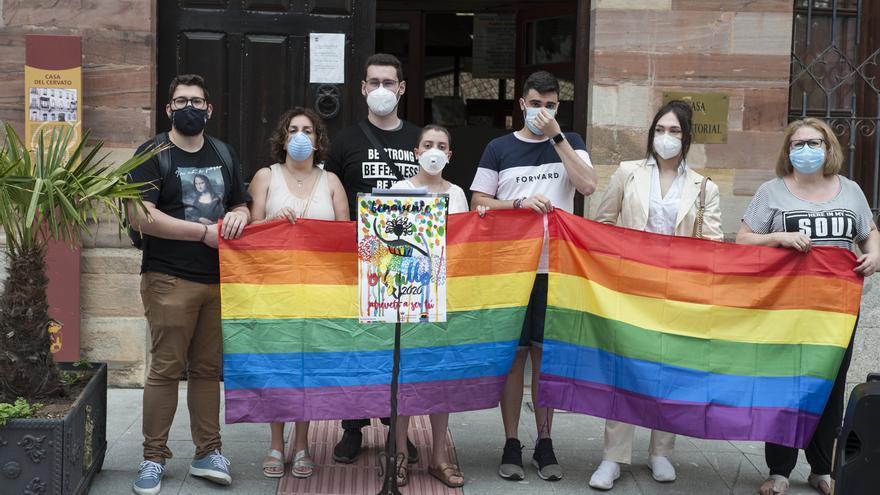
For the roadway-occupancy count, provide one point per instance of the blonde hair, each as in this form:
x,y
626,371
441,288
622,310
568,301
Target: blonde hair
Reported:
x,y
833,154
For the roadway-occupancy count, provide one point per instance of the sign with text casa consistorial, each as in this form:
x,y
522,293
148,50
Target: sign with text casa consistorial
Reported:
x,y
402,258
53,100
710,114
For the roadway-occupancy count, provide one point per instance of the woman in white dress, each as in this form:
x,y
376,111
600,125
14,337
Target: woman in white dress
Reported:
x,y
296,187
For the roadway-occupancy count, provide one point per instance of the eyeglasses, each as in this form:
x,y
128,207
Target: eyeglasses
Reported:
x,y
812,143
387,83
182,101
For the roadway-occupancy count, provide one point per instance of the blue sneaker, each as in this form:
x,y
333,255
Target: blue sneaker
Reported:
x,y
149,480
213,467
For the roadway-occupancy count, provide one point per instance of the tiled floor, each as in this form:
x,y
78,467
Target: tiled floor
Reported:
x,y
704,467
362,476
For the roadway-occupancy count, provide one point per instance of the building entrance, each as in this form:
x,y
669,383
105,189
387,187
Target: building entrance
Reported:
x,y
465,62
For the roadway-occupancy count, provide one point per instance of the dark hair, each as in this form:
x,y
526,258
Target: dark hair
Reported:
x,y
209,188
278,141
434,127
387,60
685,115
186,80
542,81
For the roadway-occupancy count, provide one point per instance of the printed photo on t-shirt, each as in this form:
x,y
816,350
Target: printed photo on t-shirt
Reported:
x,y
827,225
203,191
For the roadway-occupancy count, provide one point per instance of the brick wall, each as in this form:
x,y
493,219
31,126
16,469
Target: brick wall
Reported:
x,y
641,48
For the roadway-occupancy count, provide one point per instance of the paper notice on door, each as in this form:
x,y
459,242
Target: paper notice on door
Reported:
x,y
327,58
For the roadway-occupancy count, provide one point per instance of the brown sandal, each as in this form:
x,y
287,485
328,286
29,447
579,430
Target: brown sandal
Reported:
x,y
402,471
445,473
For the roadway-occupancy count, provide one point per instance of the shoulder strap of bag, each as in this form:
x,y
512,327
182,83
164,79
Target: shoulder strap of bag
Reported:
x,y
164,157
382,154
702,208
222,150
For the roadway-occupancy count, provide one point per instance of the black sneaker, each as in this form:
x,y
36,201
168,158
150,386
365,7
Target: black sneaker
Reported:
x,y
511,461
545,462
412,453
348,448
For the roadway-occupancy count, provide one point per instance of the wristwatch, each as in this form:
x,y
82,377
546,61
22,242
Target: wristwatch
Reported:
x,y
558,138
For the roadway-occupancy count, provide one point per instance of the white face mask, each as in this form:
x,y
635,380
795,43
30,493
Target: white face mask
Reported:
x,y
381,101
433,161
667,146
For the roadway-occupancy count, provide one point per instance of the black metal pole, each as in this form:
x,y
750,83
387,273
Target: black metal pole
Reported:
x,y
389,485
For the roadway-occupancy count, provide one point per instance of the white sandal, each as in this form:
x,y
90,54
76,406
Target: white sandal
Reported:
x,y
780,483
273,464
816,480
303,465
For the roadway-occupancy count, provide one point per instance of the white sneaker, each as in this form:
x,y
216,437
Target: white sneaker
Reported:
x,y
662,469
605,475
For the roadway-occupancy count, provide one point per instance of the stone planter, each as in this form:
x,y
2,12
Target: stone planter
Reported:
x,y
57,456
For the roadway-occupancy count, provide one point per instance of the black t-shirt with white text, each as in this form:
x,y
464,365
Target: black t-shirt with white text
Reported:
x,y
360,167
197,188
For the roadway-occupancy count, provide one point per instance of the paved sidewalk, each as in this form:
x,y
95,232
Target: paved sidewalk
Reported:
x,y
704,467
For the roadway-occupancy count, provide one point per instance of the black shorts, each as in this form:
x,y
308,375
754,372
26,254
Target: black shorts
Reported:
x,y
533,324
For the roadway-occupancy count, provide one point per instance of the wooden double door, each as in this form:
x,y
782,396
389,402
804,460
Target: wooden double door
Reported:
x,y
254,57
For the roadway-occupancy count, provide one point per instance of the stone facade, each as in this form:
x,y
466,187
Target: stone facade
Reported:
x,y
118,82
639,49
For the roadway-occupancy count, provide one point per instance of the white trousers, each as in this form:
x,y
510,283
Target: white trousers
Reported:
x,y
619,442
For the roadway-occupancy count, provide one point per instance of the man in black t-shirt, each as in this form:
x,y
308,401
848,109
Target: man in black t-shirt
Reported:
x,y
353,158
362,166
195,184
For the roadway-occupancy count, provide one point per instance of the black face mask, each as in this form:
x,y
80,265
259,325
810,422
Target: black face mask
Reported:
x,y
189,120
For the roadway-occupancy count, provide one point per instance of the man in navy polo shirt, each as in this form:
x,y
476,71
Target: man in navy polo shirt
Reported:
x,y
537,167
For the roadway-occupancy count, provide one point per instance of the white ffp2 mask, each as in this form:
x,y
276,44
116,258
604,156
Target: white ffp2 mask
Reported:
x,y
667,146
381,101
433,161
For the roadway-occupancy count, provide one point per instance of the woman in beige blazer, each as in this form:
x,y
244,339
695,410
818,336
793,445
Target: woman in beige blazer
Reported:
x,y
658,194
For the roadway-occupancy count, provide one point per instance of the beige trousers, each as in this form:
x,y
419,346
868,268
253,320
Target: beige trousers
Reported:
x,y
619,442
184,319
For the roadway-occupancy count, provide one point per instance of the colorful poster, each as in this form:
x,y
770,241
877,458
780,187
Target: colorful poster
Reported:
x,y
402,258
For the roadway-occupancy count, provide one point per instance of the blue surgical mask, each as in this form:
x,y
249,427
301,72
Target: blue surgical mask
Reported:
x,y
299,147
807,160
531,113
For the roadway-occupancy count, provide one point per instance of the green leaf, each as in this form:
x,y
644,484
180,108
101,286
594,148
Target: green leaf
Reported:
x,y
55,189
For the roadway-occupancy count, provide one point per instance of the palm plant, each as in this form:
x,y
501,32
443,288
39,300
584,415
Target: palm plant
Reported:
x,y
49,193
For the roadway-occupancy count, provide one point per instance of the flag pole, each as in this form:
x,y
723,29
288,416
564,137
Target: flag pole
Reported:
x,y
389,484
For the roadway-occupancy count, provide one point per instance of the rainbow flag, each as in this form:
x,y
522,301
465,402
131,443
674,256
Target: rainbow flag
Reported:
x,y
293,347
701,338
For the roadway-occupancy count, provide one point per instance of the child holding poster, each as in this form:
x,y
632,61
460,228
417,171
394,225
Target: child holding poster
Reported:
x,y
433,152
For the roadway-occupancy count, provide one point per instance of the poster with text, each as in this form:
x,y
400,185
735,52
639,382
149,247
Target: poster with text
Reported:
x,y
402,258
